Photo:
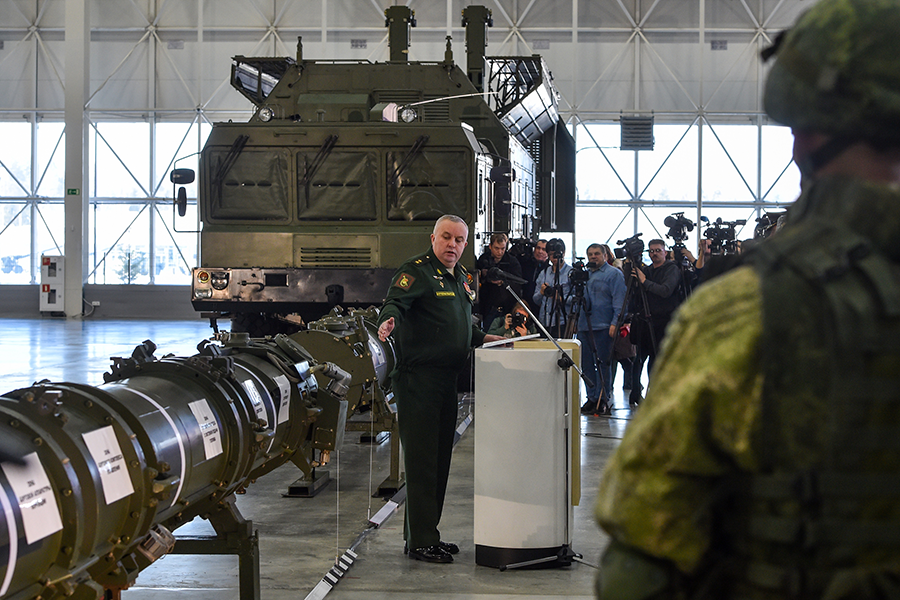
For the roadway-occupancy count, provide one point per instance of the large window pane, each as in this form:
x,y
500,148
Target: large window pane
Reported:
x,y
669,171
51,160
120,243
780,176
15,160
15,243
50,227
175,251
120,160
730,158
602,225
603,172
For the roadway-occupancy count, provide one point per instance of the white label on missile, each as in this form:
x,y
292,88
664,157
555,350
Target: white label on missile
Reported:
x,y
114,477
284,409
255,398
209,428
37,502
12,534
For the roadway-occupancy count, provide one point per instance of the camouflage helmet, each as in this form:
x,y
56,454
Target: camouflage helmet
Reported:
x,y
838,71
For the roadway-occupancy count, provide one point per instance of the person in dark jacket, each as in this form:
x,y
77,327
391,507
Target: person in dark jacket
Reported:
x,y
494,299
659,281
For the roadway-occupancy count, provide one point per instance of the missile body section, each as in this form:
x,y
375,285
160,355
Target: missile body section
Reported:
x,y
95,479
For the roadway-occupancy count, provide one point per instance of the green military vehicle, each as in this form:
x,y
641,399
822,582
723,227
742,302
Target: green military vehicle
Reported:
x,y
344,167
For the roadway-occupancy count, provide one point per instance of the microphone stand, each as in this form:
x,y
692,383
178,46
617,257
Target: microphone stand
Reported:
x,y
565,361
565,554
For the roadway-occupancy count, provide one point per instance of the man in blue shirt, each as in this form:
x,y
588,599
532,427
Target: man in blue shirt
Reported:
x,y
604,296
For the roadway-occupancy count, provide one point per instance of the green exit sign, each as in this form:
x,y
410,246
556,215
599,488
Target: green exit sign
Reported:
x,y
72,192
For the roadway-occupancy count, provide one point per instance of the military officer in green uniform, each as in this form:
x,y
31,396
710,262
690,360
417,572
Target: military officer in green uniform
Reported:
x,y
765,461
429,309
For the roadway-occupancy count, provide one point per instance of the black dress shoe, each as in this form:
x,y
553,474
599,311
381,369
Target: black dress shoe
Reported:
x,y
432,554
449,547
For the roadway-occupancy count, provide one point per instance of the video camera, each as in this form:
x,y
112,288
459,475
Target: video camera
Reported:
x,y
556,248
579,274
721,235
766,224
679,226
521,247
631,248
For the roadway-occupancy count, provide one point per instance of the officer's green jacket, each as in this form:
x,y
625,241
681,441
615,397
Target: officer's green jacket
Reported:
x,y
432,311
721,411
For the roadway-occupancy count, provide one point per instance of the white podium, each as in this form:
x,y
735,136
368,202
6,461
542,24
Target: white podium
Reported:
x,y
527,477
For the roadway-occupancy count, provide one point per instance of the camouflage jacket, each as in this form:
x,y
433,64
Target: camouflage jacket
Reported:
x,y
737,467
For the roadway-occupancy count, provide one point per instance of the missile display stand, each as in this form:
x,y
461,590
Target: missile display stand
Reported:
x,y
526,472
235,536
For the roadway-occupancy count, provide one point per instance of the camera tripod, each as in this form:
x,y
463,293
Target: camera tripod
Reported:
x,y
684,268
643,312
603,405
557,313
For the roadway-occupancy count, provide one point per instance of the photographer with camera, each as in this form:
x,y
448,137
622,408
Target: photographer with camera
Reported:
x,y
533,262
604,296
513,325
494,299
679,226
660,281
552,289
721,235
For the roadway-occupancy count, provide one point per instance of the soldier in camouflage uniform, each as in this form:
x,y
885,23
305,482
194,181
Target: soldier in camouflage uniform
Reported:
x,y
765,462
430,304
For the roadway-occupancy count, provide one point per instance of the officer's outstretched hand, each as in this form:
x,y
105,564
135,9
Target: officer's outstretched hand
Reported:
x,y
385,329
489,338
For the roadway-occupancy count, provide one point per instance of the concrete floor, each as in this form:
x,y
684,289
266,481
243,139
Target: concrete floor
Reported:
x,y
301,538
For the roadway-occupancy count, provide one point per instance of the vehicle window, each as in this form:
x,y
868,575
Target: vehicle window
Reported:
x,y
339,185
249,185
424,185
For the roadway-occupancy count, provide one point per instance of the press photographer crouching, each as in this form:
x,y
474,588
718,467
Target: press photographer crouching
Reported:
x,y
604,296
513,325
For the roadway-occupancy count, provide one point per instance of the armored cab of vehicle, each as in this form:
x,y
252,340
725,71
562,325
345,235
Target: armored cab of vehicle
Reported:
x,y
344,167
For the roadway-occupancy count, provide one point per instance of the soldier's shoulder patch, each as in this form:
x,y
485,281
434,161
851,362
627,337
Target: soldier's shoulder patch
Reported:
x,y
405,281
469,291
469,278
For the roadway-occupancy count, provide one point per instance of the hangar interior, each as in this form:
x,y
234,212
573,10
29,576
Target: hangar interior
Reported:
x,y
100,100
